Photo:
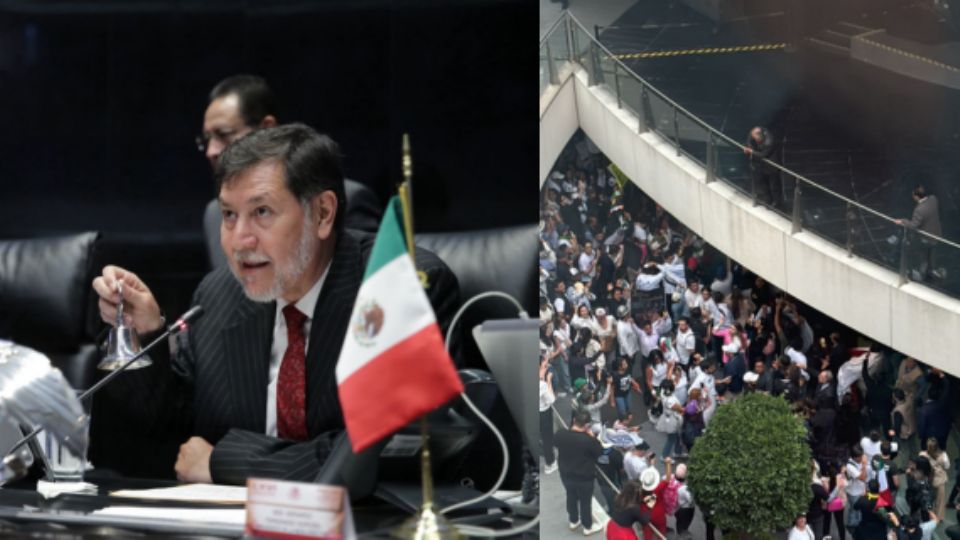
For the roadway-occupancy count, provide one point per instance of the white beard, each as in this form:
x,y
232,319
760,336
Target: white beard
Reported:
x,y
285,276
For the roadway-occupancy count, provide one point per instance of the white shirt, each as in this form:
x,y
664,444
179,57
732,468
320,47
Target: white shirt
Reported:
x,y
870,448
628,337
855,486
585,261
579,322
306,306
686,344
649,282
634,465
674,274
691,298
639,232
684,497
796,357
563,333
709,306
648,342
723,286
600,331
706,383
797,534
680,388
659,374
546,396
559,303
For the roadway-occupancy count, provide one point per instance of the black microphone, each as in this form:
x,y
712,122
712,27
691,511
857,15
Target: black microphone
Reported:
x,y
178,326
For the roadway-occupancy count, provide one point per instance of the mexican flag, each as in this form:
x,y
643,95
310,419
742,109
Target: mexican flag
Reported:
x,y
885,499
393,367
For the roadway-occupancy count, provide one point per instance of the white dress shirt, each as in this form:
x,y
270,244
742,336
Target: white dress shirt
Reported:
x,y
686,345
306,306
628,335
648,342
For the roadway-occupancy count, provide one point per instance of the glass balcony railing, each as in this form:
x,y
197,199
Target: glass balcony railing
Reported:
x,y
861,231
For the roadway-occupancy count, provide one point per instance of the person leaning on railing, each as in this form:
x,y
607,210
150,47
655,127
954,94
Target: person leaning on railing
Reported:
x,y
926,217
760,146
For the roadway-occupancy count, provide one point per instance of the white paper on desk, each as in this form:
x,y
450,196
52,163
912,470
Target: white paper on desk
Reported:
x,y
224,516
210,493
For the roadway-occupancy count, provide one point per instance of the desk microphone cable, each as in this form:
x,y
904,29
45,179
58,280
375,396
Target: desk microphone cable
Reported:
x,y
469,529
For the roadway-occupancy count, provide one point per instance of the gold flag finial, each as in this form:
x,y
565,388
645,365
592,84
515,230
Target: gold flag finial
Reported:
x,y
407,160
406,202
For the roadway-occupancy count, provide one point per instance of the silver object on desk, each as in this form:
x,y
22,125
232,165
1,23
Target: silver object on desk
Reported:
x,y
32,393
122,342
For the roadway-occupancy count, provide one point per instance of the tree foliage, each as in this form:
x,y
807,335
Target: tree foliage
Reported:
x,y
750,470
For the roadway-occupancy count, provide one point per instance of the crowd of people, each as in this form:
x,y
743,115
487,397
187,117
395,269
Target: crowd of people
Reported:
x,y
635,309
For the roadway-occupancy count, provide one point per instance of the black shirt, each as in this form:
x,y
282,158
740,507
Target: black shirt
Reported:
x,y
606,268
577,453
699,330
611,463
622,384
626,517
736,368
818,503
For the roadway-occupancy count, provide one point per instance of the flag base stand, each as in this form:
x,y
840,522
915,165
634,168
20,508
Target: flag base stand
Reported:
x,y
426,524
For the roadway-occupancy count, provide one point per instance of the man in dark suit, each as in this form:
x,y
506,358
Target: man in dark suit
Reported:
x,y
766,179
242,104
926,217
253,381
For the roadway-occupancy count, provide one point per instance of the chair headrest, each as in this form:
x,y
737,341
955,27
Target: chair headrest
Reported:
x,y
45,286
502,259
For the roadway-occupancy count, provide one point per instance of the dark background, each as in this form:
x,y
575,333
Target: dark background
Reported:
x,y
102,100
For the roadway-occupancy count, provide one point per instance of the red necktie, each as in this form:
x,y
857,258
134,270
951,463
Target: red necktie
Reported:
x,y
292,380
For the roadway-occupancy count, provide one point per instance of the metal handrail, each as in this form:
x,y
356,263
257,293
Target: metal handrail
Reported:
x,y
566,15
549,32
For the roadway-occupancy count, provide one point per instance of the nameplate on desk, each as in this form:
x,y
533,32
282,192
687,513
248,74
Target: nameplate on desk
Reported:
x,y
297,510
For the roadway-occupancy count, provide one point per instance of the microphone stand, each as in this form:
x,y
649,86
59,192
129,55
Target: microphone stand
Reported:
x,y
178,326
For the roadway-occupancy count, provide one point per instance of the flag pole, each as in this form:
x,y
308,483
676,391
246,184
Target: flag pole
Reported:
x,y
427,523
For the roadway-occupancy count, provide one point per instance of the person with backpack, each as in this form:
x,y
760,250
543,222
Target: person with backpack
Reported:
x,y
856,470
670,421
685,504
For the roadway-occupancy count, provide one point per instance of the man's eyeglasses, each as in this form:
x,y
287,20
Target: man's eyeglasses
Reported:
x,y
223,137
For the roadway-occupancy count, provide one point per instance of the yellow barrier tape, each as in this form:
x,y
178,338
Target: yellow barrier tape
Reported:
x,y
708,50
914,56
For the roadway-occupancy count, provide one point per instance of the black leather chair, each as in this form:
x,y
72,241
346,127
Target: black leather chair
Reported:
x,y
46,303
363,214
503,259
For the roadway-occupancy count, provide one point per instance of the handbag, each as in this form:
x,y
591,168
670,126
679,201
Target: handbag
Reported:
x,y
835,505
668,422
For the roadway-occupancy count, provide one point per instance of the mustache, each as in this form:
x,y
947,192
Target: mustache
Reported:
x,y
250,257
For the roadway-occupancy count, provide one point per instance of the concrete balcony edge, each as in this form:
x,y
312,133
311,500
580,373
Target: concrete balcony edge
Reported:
x,y
911,318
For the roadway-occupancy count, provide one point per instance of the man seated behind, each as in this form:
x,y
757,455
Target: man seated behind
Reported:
x,y
253,381
240,105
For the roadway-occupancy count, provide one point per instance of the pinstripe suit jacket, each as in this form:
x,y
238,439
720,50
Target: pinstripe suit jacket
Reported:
x,y
214,385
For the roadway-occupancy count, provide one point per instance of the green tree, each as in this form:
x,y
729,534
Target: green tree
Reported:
x,y
750,470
